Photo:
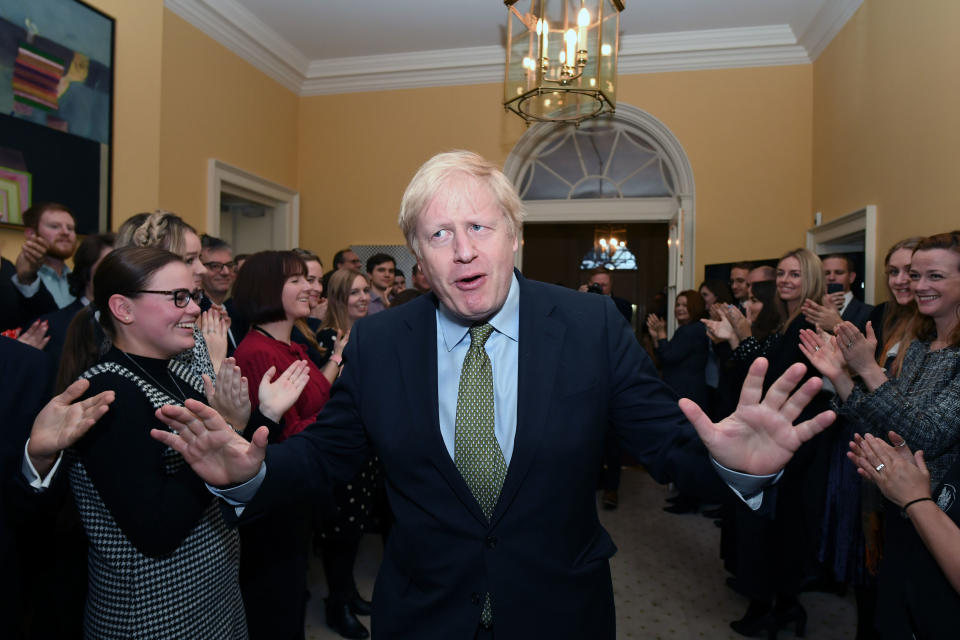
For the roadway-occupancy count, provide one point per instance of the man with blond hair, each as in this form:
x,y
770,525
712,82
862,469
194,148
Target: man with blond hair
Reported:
x,y
487,402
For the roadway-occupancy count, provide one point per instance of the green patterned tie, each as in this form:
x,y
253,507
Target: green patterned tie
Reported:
x,y
476,451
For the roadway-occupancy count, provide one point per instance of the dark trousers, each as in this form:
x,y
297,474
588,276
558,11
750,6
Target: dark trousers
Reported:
x,y
273,574
339,556
612,461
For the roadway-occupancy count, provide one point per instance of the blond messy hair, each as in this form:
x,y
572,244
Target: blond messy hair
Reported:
x,y
434,175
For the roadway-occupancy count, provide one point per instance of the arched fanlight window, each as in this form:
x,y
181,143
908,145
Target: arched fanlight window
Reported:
x,y
601,159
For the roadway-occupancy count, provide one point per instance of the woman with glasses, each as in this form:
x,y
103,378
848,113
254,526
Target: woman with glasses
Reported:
x,y
167,230
162,561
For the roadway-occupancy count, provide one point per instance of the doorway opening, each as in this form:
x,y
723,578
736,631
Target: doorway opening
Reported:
x,y
249,212
555,253
854,235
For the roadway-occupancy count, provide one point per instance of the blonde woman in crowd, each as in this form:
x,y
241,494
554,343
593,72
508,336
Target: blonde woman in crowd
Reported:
x,y
771,578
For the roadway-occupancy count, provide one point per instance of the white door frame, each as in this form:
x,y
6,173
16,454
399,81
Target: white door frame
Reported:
x,y
843,234
225,178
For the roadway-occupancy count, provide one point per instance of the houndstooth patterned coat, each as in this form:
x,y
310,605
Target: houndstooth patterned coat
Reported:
x,y
189,590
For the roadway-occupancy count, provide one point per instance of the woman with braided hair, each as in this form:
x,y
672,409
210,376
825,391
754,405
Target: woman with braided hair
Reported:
x,y
167,230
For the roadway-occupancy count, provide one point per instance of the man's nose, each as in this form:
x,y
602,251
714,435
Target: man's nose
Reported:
x,y
464,248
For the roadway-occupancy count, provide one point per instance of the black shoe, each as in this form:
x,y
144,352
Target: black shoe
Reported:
x,y
759,617
684,505
344,622
359,606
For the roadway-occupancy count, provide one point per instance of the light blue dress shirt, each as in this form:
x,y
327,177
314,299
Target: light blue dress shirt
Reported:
x,y
55,283
502,347
453,342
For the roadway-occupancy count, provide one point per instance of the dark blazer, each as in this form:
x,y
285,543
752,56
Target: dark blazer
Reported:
x,y
858,313
59,321
683,360
15,309
543,556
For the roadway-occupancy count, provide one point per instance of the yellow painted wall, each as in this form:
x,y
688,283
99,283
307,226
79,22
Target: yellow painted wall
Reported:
x,y
886,100
216,105
358,152
747,133
136,117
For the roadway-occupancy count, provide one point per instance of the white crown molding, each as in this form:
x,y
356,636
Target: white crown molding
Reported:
x,y
827,24
438,68
243,33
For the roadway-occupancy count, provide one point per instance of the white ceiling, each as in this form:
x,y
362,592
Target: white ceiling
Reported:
x,y
336,46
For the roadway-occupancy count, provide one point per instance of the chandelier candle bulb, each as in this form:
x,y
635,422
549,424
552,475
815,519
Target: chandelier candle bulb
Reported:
x,y
570,37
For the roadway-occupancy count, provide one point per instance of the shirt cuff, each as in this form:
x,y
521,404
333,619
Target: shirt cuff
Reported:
x,y
27,290
748,488
32,476
242,494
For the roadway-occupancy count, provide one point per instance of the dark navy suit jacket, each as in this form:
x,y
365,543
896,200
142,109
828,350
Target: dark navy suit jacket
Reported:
x,y
543,556
858,313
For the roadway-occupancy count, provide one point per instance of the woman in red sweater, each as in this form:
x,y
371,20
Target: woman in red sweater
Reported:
x,y
272,291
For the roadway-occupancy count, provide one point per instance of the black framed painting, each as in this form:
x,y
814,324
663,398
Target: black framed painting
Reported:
x,y
56,109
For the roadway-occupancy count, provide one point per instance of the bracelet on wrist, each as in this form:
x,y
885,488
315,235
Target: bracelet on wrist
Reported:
x,y
904,508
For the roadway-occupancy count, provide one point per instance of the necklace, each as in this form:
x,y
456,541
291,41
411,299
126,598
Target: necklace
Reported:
x,y
182,397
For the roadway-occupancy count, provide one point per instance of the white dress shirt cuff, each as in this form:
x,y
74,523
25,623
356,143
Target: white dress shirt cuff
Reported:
x,y
241,494
28,290
32,475
748,488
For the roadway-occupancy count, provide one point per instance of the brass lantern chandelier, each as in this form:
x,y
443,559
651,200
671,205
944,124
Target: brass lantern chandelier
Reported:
x,y
561,59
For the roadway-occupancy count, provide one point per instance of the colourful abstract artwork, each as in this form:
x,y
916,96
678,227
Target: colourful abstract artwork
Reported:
x,y
56,72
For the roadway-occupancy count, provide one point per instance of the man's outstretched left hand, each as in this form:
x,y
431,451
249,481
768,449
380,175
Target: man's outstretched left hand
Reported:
x,y
759,438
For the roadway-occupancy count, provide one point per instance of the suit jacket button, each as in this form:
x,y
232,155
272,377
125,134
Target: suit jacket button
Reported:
x,y
491,542
475,598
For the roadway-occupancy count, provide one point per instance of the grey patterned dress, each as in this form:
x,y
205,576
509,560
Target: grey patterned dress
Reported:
x,y
922,404
163,564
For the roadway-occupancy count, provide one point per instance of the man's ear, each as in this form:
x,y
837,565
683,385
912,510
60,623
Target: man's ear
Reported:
x,y
121,308
29,233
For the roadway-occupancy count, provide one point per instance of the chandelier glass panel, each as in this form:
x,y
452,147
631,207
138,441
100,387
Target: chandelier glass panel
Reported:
x,y
561,58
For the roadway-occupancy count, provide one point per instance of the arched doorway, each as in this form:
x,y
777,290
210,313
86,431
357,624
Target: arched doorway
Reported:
x,y
625,168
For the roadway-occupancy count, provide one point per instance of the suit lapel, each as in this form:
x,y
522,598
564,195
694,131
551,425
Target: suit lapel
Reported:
x,y
540,342
418,368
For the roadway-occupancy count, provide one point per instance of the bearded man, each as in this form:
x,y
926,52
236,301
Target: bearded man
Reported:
x,y
51,238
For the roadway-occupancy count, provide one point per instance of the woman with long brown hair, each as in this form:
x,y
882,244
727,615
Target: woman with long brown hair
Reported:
x,y
272,292
354,513
921,404
162,561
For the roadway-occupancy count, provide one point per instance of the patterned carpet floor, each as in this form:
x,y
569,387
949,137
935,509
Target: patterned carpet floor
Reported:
x,y
668,579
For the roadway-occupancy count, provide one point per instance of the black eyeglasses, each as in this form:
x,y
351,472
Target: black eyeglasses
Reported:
x,y
181,297
218,266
